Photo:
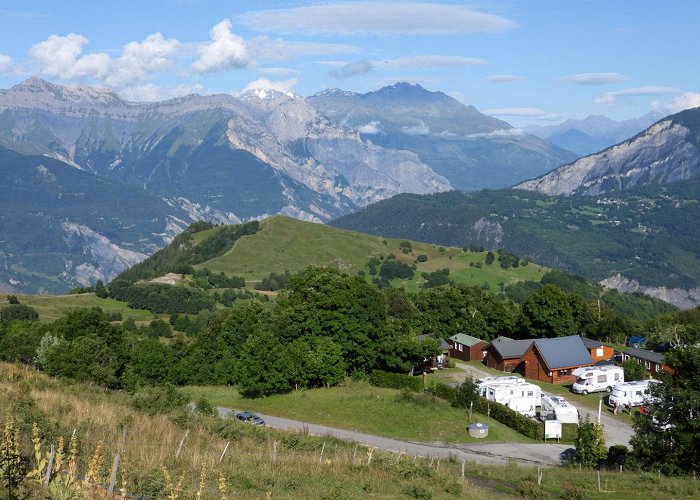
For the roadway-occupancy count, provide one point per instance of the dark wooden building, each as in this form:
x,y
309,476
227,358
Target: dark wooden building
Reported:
x,y
506,355
466,347
653,361
553,360
598,350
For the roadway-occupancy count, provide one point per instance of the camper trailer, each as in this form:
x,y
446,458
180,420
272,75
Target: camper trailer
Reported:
x,y
558,408
483,383
596,379
521,397
631,393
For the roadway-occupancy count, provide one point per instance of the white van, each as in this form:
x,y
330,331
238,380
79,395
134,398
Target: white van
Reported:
x,y
521,397
558,408
483,383
596,379
631,393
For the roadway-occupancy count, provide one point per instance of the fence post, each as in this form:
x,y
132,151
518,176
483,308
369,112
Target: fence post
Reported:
x,y
182,442
462,470
224,452
49,468
320,458
369,455
274,451
113,477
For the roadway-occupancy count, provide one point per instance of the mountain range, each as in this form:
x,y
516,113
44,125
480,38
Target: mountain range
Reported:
x,y
594,133
472,150
626,216
223,159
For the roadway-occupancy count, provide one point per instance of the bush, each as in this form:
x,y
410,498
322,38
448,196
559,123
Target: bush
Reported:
x,y
15,312
204,407
422,258
389,380
155,400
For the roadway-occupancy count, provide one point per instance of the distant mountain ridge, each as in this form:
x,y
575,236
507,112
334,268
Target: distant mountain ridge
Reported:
x,y
593,133
668,151
470,149
645,239
265,153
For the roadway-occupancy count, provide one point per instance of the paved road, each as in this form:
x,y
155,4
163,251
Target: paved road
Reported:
x,y
616,431
482,453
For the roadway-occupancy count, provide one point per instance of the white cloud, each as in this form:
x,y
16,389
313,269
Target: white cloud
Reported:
x,y
286,86
510,132
277,49
138,61
226,51
346,18
686,100
371,128
611,97
538,113
427,62
61,57
594,78
406,62
504,79
421,129
6,64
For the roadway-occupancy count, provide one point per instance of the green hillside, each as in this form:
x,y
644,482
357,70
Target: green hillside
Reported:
x,y
285,244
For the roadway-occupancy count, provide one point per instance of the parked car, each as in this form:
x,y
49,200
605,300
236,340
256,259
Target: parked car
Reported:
x,y
637,342
249,418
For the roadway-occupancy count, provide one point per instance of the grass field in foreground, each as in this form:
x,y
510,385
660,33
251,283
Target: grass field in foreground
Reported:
x,y
50,307
361,407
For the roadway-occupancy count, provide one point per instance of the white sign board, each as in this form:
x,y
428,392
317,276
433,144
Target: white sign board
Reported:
x,y
552,429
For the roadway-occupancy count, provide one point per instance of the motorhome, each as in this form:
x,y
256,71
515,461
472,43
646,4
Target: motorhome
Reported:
x,y
558,408
483,383
631,393
521,397
596,379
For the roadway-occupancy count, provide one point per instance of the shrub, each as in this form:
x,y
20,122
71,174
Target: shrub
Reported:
x,y
204,407
422,258
389,380
154,400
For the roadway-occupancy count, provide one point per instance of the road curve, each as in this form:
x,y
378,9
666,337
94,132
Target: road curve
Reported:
x,y
535,454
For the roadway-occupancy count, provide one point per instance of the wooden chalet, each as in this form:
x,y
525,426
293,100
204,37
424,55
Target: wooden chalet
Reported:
x,y
598,350
653,361
505,354
467,348
553,360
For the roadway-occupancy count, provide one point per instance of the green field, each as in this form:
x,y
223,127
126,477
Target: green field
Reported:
x,y
361,407
50,307
287,244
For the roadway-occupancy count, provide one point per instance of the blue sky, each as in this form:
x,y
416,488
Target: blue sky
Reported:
x,y
527,62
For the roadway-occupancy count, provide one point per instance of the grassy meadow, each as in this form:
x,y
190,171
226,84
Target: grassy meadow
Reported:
x,y
360,407
50,307
287,244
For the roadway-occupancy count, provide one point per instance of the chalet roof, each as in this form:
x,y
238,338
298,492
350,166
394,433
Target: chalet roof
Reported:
x,y
501,338
511,348
465,339
591,344
564,352
654,357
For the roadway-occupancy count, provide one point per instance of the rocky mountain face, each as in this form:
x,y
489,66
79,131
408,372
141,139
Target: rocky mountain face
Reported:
x,y
265,153
471,150
62,227
593,133
668,151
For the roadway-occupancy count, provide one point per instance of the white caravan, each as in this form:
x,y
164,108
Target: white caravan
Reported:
x,y
558,408
521,397
631,393
597,378
483,383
